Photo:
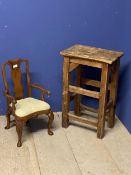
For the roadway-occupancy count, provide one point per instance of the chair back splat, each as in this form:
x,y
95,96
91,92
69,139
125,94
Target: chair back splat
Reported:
x,y
16,75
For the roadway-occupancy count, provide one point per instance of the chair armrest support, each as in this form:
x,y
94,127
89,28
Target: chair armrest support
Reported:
x,y
43,91
11,100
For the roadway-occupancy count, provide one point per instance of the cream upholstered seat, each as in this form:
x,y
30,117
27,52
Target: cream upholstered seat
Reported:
x,y
30,105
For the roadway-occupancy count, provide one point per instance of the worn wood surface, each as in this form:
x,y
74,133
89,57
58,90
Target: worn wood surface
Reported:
x,y
73,66
99,58
86,62
113,93
94,83
72,151
82,120
54,154
92,53
102,101
13,160
85,92
65,95
101,153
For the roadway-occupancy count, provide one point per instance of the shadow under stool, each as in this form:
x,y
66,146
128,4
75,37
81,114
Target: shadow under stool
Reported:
x,y
106,60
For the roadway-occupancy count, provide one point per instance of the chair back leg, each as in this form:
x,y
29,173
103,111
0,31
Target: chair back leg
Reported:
x,y
51,118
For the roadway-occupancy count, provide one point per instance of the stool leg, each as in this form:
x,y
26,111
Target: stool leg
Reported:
x,y
65,101
113,93
102,100
77,96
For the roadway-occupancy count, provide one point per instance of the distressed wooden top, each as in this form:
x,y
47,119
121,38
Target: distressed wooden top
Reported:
x,y
92,53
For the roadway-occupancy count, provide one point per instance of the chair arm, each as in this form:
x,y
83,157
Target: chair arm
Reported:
x,y
11,99
44,91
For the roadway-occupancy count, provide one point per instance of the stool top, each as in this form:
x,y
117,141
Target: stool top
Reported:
x,y
92,53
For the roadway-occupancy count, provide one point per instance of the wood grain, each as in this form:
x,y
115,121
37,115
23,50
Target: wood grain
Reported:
x,y
94,57
92,53
82,120
17,78
94,83
15,161
94,156
113,93
72,151
102,101
65,103
54,154
73,66
85,92
86,62
78,96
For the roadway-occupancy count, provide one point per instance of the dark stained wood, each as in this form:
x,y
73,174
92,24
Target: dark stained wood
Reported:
x,y
51,118
28,78
43,91
113,93
4,78
19,129
65,104
78,96
8,113
82,120
16,77
16,74
82,91
92,54
102,101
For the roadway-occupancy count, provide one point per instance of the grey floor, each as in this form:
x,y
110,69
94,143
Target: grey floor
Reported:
x,y
71,151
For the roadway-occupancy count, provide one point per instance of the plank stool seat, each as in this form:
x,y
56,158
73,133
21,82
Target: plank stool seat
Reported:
x,y
106,60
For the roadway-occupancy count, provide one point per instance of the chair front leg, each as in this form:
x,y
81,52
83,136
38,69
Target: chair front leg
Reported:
x,y
8,119
19,129
51,118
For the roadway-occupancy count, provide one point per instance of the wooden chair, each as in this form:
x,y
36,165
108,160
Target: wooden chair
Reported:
x,y
20,107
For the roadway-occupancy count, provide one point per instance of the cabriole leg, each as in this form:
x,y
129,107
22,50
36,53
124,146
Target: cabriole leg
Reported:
x,y
19,129
51,118
8,119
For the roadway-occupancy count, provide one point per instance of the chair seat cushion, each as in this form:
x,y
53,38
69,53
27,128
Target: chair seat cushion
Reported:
x,y
30,105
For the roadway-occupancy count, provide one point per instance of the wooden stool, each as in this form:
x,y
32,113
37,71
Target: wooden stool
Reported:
x,y
108,61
